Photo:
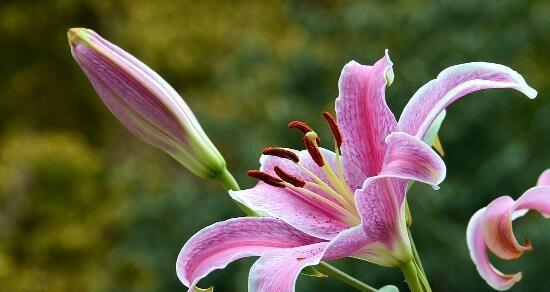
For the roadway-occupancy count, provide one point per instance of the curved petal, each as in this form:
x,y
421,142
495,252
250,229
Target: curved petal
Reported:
x,y
537,198
310,217
363,116
544,179
410,158
497,229
217,245
452,84
278,270
478,253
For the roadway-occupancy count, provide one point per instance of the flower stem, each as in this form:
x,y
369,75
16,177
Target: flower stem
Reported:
x,y
410,271
342,276
415,252
229,183
227,180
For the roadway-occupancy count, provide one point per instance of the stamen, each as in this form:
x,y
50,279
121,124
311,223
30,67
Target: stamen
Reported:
x,y
266,178
280,152
302,127
313,149
333,128
289,178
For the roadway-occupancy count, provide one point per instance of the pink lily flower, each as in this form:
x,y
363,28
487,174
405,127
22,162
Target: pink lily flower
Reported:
x,y
145,103
325,206
491,229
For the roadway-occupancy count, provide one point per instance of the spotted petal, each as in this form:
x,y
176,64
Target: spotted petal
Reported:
x,y
310,216
279,269
293,208
452,84
217,245
364,117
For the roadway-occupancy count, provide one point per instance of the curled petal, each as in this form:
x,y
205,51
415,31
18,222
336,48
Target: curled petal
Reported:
x,y
363,116
537,198
478,253
409,158
497,229
279,269
544,179
452,84
217,245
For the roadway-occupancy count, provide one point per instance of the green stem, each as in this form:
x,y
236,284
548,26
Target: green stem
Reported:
x,y
229,183
415,252
227,180
410,272
340,275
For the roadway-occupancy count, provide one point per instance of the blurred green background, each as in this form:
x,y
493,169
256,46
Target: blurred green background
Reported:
x,y
84,206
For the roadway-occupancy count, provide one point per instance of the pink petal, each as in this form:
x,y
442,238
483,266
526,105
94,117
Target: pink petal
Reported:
x,y
537,198
497,229
544,179
452,84
278,270
217,245
478,253
410,158
318,220
380,204
354,242
364,117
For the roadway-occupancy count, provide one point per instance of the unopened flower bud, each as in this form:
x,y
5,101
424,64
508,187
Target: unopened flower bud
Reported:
x,y
144,103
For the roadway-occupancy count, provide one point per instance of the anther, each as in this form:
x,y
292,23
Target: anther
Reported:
x,y
313,149
280,152
333,128
302,127
289,178
266,178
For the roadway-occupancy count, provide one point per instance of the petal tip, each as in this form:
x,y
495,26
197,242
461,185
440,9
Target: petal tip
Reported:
x,y
529,91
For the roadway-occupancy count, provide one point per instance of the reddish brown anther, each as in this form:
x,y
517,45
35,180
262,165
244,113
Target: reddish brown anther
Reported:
x,y
280,152
289,178
333,128
302,127
314,151
266,178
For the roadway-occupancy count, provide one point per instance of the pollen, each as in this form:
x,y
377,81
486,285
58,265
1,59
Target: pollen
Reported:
x,y
289,178
302,127
266,178
313,149
331,121
282,153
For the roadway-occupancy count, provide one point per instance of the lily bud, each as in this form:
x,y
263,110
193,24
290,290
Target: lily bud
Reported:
x,y
144,103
